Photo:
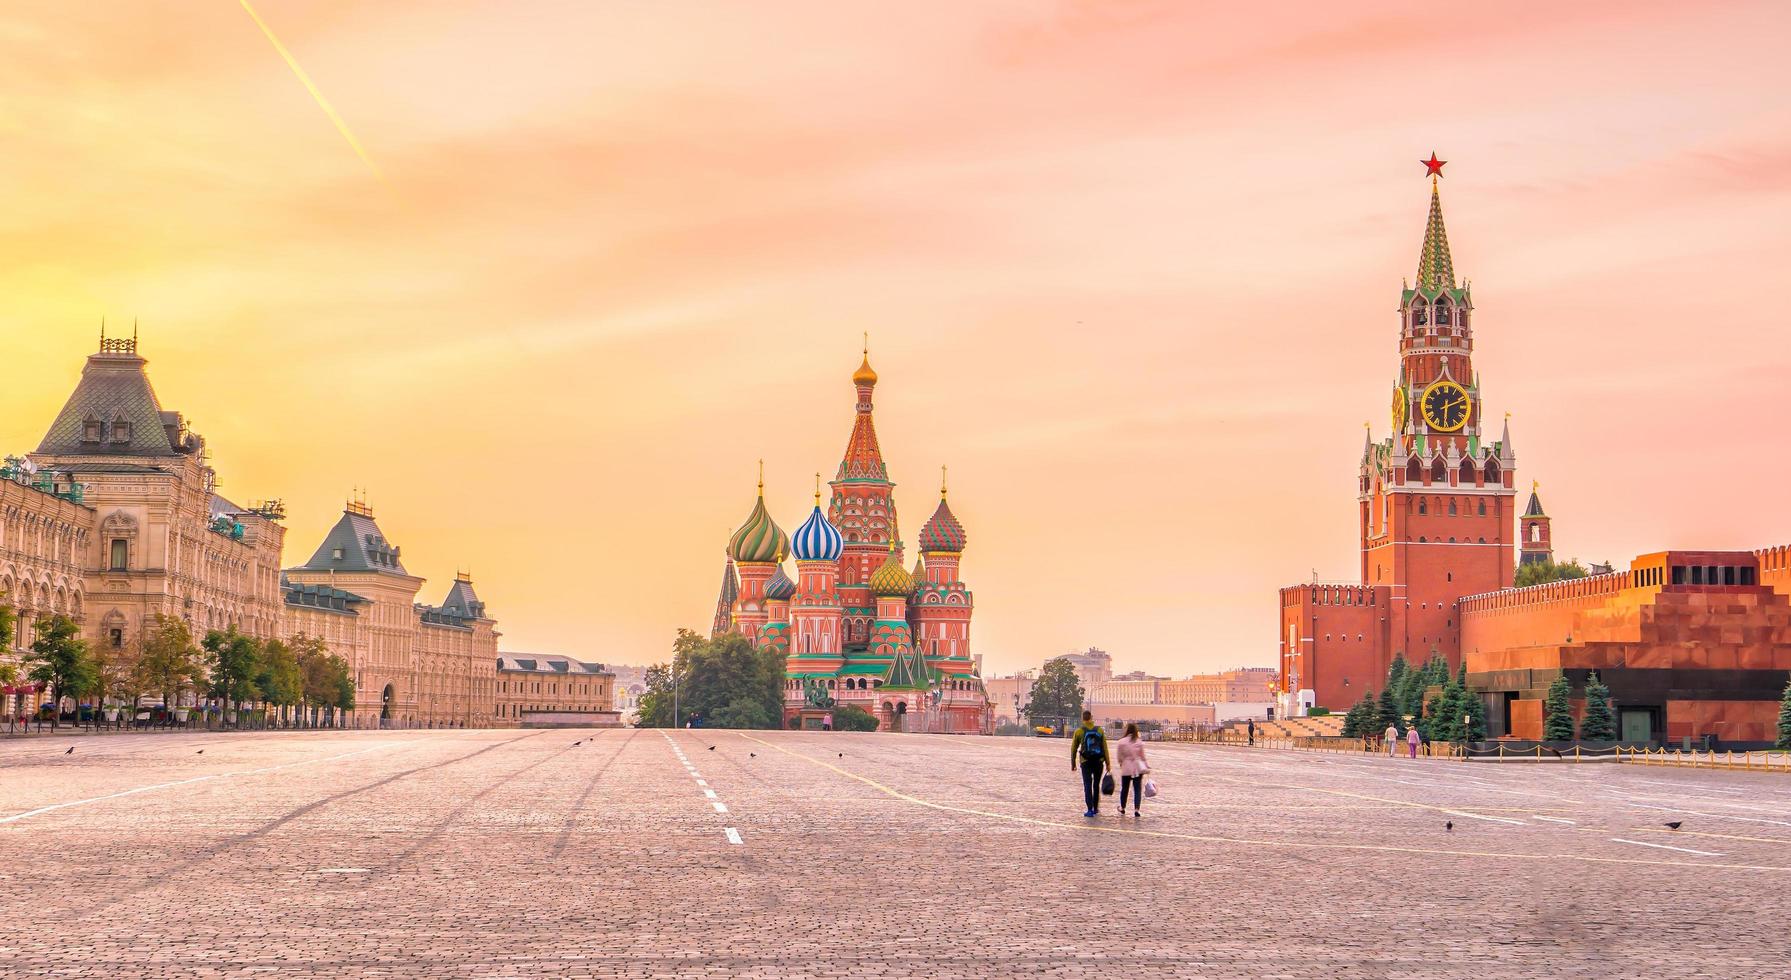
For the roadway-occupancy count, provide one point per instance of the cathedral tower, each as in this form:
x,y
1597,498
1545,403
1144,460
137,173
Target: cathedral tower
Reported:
x,y
756,549
1533,532
942,605
863,509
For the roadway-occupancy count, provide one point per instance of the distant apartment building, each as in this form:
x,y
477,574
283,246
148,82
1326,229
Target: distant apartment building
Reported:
x,y
1009,695
1092,666
1243,684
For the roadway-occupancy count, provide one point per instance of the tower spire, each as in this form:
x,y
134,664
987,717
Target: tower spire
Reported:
x,y
1436,270
941,482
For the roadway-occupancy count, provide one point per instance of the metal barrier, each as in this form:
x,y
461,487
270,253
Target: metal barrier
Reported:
x,y
1759,760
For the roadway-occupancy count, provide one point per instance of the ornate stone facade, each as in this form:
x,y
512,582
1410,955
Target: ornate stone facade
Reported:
x,y
535,691
116,519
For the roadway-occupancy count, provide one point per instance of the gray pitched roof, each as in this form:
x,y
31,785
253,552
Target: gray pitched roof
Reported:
x,y
463,601
360,545
114,389
540,664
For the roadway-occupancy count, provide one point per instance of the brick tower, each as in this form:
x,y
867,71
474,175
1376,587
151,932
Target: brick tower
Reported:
x,y
1534,543
1435,506
863,509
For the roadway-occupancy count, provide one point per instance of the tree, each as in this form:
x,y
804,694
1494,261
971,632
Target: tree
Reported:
x,y
1784,741
1599,723
852,718
114,677
1056,694
1387,713
1443,716
1362,716
654,709
9,672
233,659
59,660
278,678
326,684
169,663
1548,570
1557,711
724,682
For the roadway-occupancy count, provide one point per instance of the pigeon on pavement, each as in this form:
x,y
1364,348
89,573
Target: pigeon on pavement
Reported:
x,y
1674,824
70,749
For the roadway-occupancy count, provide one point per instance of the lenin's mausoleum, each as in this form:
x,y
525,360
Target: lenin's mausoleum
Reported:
x,y
1691,643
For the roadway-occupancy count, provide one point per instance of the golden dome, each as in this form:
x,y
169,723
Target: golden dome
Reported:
x,y
864,375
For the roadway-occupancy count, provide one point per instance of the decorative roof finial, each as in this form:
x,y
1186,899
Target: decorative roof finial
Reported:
x,y
942,482
817,489
761,479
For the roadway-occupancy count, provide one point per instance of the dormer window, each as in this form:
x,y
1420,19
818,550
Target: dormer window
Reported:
x,y
90,429
121,429
336,554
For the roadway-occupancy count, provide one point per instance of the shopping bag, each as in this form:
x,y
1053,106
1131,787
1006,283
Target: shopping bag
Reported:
x,y
1107,785
1150,787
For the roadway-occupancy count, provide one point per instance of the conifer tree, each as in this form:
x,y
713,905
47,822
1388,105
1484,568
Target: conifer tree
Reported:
x,y
1785,719
1599,724
1360,719
1557,711
1388,713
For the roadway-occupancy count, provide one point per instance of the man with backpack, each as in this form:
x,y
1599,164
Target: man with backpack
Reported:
x,y
1088,748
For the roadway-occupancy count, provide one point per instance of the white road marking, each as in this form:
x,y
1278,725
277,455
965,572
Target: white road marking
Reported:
x,y
733,836
709,793
1535,816
1666,847
701,783
343,871
720,807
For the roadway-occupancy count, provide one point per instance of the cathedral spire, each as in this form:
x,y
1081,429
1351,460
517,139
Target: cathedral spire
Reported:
x,y
863,460
724,603
1436,270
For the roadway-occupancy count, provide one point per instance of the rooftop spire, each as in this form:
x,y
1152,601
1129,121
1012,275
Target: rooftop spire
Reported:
x,y
1436,270
942,482
817,489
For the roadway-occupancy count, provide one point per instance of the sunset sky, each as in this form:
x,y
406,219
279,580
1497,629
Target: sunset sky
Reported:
x,y
1129,268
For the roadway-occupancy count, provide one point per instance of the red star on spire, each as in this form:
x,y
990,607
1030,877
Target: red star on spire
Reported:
x,y
1433,166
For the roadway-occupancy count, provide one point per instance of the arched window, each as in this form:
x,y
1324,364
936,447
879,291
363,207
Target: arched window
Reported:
x,y
1451,506
1482,508
1438,472
1492,471
1412,473
1420,314
1535,533
1422,509
1467,472
1442,312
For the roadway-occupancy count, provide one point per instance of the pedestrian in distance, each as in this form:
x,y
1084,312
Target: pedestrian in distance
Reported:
x,y
1132,769
1391,737
1251,728
1413,738
1088,750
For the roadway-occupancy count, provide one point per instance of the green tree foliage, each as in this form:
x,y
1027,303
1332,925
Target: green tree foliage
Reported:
x,y
60,661
233,660
1387,713
1784,741
1557,711
114,677
1442,715
1599,723
1360,720
169,663
852,718
278,679
1539,572
654,709
725,682
326,684
1056,694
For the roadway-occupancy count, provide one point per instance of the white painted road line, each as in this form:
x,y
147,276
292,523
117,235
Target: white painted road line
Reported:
x,y
709,793
720,807
701,783
1666,847
1535,816
733,836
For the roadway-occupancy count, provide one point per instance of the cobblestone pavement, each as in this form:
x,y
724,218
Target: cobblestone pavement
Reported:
x,y
791,855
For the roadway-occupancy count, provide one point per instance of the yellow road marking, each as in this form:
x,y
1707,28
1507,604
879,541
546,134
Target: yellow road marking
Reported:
x,y
1105,829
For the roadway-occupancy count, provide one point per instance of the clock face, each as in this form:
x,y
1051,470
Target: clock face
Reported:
x,y
1400,398
1445,406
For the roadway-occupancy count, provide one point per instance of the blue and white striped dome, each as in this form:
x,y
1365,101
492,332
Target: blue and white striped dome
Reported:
x,y
816,539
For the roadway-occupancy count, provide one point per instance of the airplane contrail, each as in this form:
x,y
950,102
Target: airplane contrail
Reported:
x,y
323,103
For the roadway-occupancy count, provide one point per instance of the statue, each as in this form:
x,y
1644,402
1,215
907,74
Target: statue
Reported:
x,y
814,694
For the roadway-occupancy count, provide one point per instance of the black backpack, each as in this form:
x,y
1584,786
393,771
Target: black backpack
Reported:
x,y
1094,744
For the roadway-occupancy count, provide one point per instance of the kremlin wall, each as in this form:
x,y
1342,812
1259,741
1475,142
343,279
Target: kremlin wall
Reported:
x,y
1692,644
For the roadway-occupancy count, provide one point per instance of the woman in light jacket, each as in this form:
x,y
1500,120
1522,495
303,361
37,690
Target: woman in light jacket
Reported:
x,y
1132,767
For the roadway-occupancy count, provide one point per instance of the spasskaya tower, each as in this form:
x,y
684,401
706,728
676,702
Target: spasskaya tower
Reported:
x,y
1435,502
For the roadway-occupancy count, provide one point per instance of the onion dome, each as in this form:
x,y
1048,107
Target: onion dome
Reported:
x,y
864,375
817,539
759,539
891,580
779,586
942,532
920,572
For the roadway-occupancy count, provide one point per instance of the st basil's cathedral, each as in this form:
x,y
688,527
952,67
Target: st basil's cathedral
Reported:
x,y
856,626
